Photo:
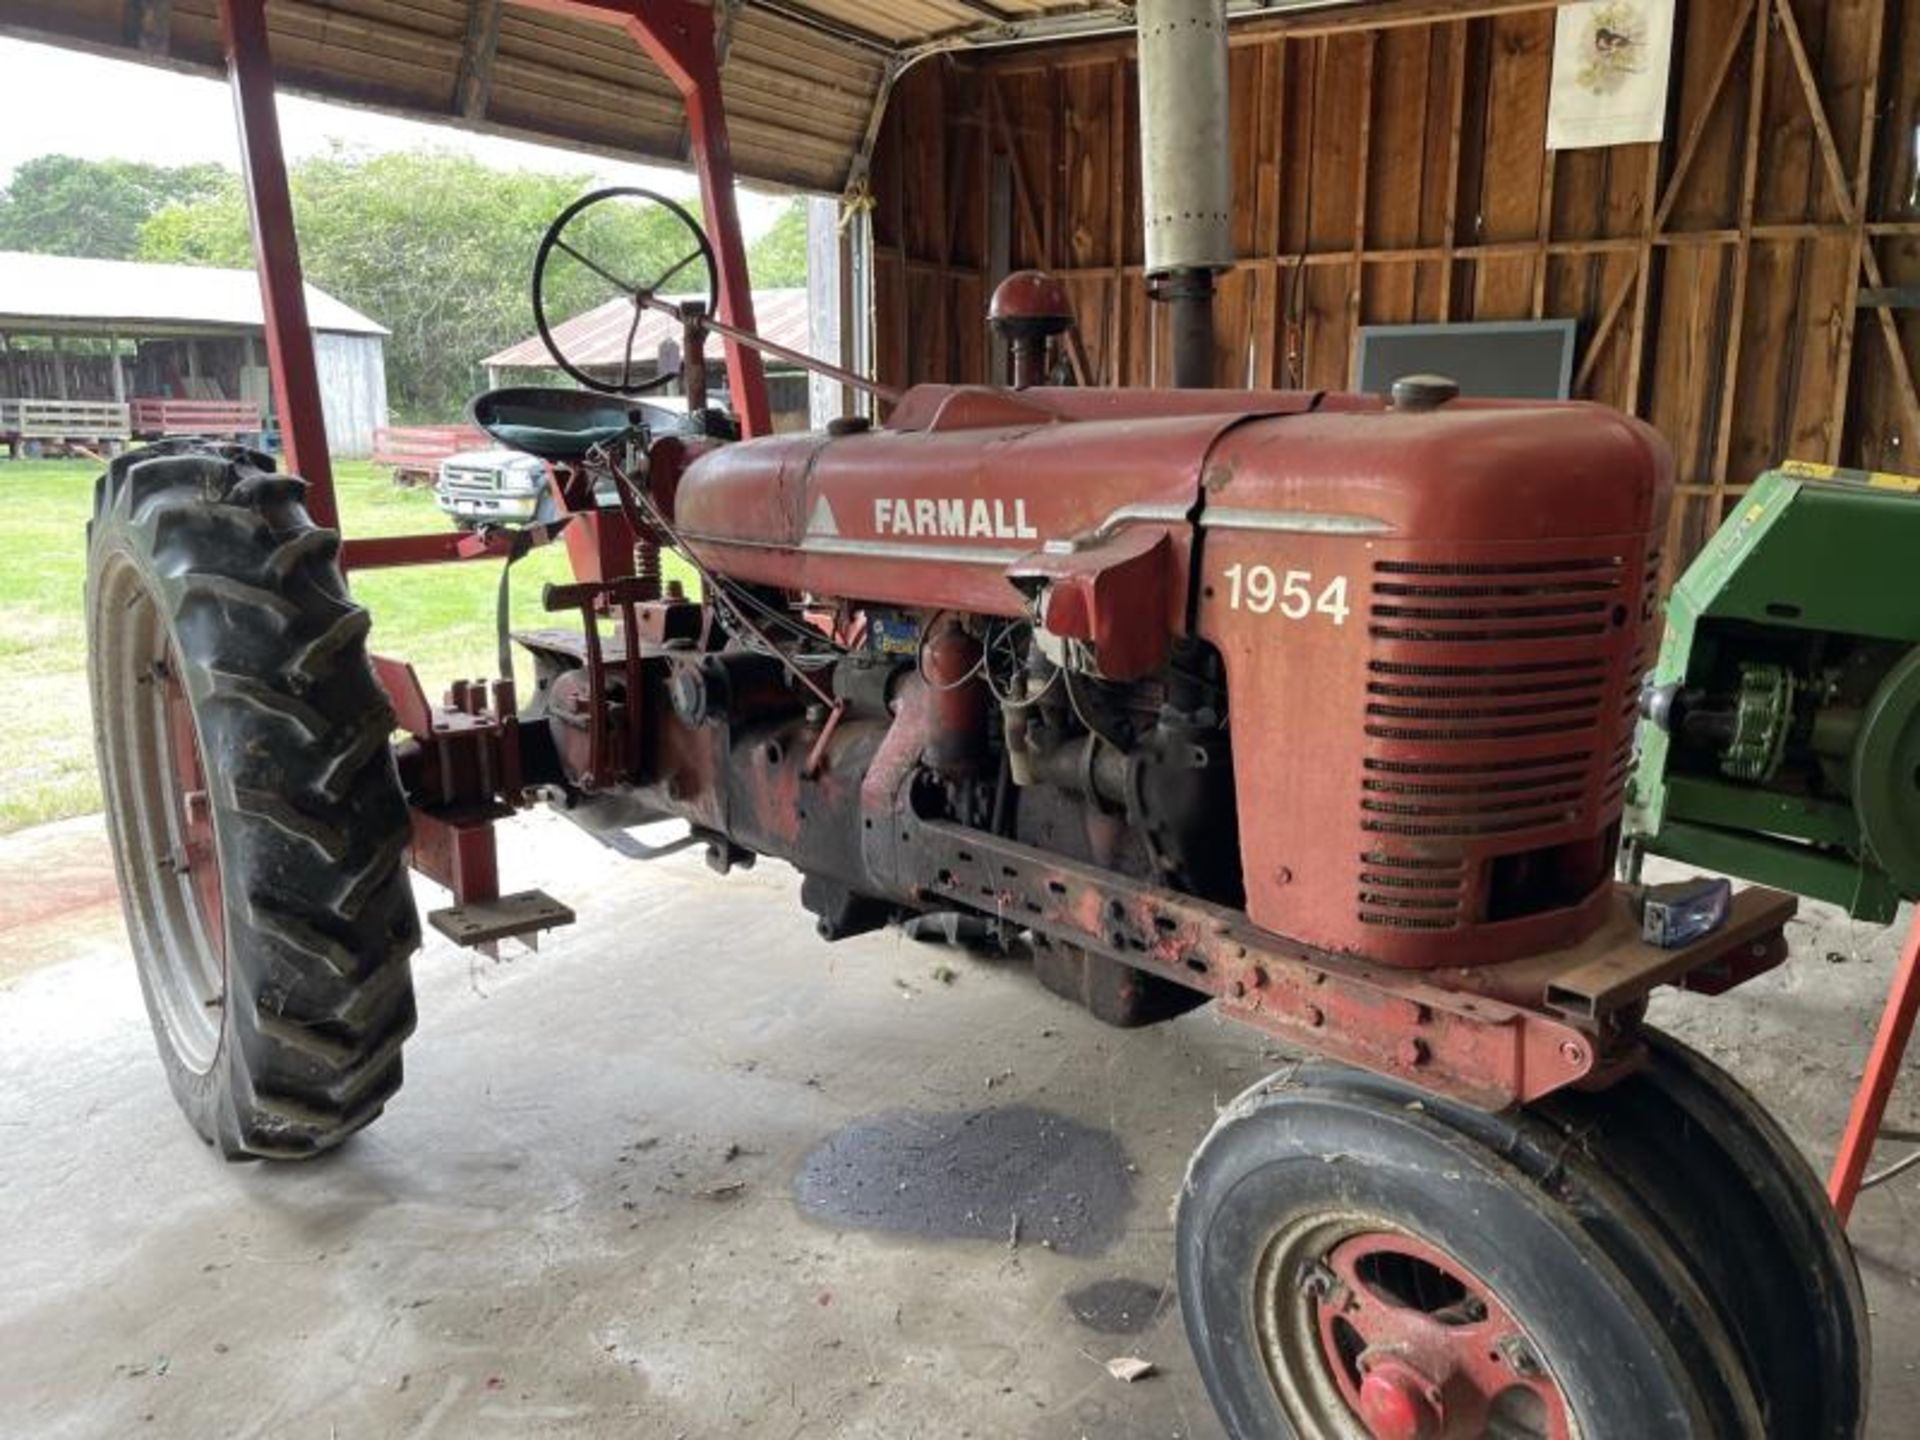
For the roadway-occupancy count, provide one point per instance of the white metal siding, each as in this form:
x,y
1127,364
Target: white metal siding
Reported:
x,y
353,390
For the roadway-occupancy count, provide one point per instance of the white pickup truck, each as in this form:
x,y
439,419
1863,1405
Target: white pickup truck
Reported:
x,y
511,487
494,487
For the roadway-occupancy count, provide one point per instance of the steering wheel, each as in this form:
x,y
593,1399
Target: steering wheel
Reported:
x,y
570,245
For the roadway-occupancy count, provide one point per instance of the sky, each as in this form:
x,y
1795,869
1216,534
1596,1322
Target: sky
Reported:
x,y
138,112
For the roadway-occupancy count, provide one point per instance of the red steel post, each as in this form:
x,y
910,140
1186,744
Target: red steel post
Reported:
x,y
1876,1084
678,36
276,255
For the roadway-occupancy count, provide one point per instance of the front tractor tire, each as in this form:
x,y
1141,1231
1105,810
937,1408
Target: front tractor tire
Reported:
x,y
1358,1259
256,819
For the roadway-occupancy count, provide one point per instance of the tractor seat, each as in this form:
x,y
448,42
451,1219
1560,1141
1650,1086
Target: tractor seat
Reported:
x,y
557,424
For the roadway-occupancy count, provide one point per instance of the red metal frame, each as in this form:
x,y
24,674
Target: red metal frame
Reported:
x,y
1876,1084
276,253
678,35
196,857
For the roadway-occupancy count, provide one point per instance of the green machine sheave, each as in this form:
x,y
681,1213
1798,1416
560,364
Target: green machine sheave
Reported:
x,y
1886,775
1782,734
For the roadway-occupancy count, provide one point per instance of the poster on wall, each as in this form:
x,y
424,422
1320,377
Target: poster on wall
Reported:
x,y
1611,59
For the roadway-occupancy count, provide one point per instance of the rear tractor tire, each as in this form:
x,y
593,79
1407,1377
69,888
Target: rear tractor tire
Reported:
x,y
1357,1259
256,819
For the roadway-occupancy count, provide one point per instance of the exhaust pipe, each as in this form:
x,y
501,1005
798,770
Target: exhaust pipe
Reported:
x,y
1184,165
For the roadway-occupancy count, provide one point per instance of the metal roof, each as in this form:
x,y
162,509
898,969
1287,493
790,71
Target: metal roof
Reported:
x,y
597,339
804,80
63,290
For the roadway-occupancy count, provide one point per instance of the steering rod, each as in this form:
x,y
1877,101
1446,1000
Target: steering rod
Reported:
x,y
696,317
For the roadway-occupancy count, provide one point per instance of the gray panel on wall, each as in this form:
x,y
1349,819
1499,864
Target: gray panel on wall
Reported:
x,y
1510,359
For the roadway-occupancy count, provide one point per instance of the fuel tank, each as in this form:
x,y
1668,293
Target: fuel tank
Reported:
x,y
1433,621
962,484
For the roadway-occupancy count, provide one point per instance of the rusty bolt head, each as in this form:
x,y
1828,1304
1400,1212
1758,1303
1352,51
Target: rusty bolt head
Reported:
x,y
1573,1052
1238,989
1314,1016
1413,1052
1319,1281
1283,875
1519,1356
1257,978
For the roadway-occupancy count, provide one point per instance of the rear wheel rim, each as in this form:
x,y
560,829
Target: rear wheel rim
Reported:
x,y
158,790
1368,1332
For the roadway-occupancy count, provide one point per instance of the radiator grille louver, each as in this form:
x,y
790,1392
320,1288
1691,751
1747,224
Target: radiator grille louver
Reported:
x,y
1501,676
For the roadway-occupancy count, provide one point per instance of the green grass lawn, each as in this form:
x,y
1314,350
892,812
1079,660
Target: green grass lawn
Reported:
x,y
440,617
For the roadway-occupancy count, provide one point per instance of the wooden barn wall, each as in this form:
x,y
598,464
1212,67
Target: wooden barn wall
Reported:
x,y
1727,283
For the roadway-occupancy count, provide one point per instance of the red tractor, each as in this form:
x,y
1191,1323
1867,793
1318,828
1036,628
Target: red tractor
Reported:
x,y
1318,707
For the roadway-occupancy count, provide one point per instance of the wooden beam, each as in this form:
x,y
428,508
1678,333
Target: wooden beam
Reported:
x,y
1863,172
725,13
1596,343
148,25
1457,80
1257,29
1643,293
473,87
1636,284
860,167
1113,352
1743,256
1844,188
1507,250
1817,109
1543,233
1383,15
1697,131
1358,280
1022,193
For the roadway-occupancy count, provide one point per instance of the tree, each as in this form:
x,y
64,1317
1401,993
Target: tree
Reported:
x,y
779,257
209,229
62,205
436,247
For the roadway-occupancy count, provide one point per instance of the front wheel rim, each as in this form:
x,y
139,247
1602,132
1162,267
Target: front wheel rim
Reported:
x,y
1368,1332
163,815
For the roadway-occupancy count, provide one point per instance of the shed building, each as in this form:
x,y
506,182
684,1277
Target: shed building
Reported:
x,y
601,340
102,351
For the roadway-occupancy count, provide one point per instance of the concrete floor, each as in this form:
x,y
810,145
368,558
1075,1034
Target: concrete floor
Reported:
x,y
594,1210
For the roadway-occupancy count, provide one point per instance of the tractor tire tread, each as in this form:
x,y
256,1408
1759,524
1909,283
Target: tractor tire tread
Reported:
x,y
311,824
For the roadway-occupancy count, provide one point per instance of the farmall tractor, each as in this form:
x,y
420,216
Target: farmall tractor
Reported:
x,y
1320,708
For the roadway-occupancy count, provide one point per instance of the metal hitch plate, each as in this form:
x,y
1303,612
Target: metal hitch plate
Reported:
x,y
510,917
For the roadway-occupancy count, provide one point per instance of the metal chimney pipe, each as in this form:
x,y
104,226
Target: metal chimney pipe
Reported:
x,y
1185,166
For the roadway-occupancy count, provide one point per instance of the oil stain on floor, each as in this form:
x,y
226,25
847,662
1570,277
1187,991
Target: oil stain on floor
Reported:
x,y
1019,1176
1118,1306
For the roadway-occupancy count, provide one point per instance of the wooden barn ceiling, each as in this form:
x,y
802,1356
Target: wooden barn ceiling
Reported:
x,y
805,80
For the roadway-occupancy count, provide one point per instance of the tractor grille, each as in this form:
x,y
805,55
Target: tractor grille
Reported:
x,y
1408,892
1494,713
